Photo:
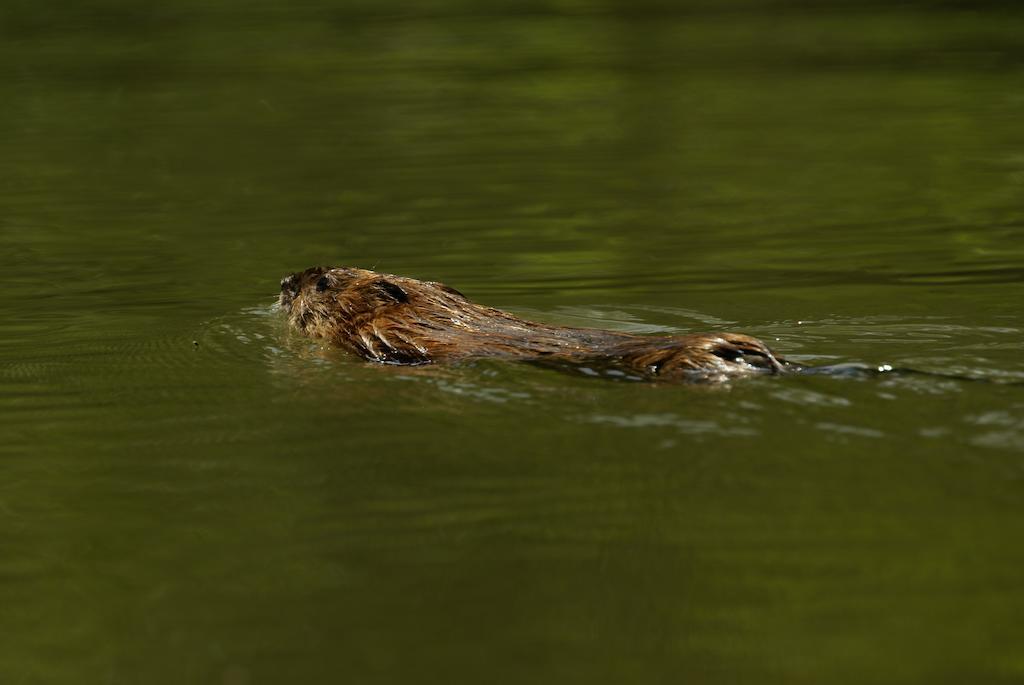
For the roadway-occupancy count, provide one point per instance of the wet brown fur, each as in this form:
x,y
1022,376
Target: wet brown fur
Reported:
x,y
397,320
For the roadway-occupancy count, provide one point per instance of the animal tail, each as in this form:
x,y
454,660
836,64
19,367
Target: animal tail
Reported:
x,y
860,370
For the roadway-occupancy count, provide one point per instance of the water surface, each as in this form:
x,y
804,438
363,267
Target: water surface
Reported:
x,y
191,493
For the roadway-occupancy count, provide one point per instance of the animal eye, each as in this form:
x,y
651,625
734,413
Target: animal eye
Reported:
x,y
322,284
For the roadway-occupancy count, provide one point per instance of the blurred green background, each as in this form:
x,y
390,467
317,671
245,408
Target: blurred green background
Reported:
x,y
843,179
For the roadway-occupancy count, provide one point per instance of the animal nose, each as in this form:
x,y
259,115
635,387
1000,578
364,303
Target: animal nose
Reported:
x,y
288,283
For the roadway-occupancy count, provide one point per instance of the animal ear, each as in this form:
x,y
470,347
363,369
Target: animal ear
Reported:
x,y
392,290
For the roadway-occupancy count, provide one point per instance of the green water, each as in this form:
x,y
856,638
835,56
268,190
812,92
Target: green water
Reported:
x,y
844,182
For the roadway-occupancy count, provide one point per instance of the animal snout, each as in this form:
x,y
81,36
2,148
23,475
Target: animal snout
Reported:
x,y
289,289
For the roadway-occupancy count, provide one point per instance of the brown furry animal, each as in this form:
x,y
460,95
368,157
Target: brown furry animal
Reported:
x,y
396,320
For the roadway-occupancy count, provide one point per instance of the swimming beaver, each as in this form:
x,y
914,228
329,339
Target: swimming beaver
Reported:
x,y
398,320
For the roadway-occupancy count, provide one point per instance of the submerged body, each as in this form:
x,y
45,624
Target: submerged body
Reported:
x,y
397,320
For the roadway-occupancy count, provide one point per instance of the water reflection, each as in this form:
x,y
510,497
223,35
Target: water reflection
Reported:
x,y
1000,428
683,425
